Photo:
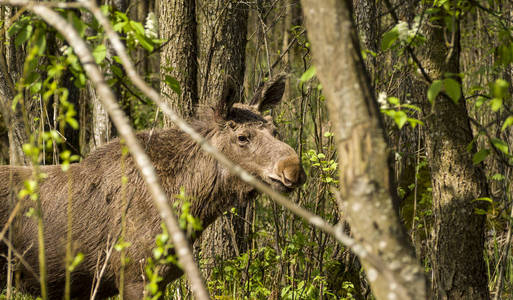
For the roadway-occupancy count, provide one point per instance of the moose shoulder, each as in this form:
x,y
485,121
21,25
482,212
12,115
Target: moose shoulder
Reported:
x,y
240,131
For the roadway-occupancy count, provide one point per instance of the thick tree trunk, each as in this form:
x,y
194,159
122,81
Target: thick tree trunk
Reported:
x,y
223,45
179,56
458,240
222,41
365,178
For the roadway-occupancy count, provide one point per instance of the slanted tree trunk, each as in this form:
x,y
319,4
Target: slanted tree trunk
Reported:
x,y
365,174
458,240
177,19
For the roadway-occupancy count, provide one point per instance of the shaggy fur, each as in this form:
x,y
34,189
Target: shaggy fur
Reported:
x,y
239,131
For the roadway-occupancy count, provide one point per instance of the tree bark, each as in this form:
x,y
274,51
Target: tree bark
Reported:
x,y
365,174
222,39
458,239
222,42
178,58
11,63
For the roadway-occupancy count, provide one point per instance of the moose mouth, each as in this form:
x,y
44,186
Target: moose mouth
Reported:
x,y
279,186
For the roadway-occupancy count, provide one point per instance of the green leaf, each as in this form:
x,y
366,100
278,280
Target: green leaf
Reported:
x,y
412,107
40,42
496,104
16,100
79,25
500,88
16,27
23,35
122,245
173,84
393,100
138,27
389,38
76,261
72,122
308,74
145,42
99,53
36,87
119,26
498,177
158,252
32,77
486,199
479,211
453,89
400,118
501,145
414,122
122,16
480,100
480,156
434,90
507,123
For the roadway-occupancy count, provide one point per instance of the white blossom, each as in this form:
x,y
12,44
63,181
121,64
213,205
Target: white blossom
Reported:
x,y
151,28
382,99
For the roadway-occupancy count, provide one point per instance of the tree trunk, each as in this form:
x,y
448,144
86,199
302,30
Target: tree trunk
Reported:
x,y
178,58
11,63
222,41
365,173
223,44
458,240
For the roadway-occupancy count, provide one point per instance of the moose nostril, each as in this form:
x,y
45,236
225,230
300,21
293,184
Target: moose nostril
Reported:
x,y
291,172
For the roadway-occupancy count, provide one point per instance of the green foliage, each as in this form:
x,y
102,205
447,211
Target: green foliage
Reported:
x,y
76,261
173,84
389,38
186,221
480,156
133,30
312,290
434,90
327,167
163,252
401,113
453,89
308,74
162,255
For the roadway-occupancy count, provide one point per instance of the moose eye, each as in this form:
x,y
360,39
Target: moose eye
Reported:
x,y
243,139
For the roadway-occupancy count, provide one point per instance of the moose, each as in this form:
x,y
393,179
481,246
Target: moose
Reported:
x,y
239,131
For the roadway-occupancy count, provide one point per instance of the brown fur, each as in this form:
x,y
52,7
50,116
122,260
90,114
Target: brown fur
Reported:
x,y
239,131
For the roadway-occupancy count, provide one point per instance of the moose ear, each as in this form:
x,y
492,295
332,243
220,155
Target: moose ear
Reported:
x,y
228,98
269,94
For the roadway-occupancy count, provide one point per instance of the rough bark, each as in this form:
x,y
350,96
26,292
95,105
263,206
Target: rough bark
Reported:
x,y
458,238
10,66
222,42
178,58
365,178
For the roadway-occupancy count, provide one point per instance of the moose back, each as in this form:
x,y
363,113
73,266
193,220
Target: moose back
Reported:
x,y
240,131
